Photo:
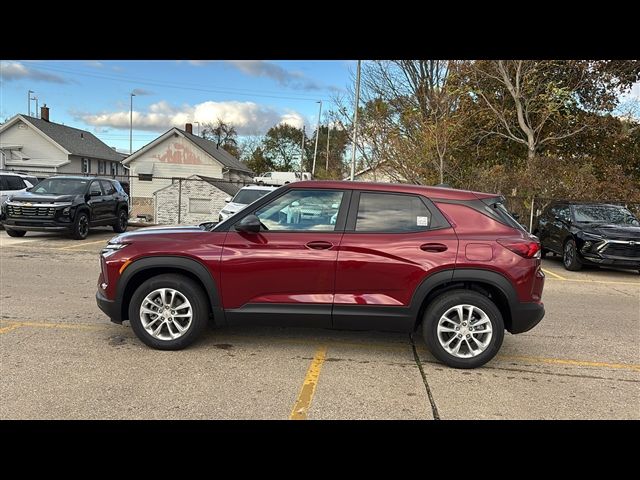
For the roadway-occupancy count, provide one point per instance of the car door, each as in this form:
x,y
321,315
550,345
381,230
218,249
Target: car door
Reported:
x,y
110,202
392,242
96,202
285,273
558,226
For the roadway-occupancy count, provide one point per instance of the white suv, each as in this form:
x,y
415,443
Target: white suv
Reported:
x,y
244,197
12,183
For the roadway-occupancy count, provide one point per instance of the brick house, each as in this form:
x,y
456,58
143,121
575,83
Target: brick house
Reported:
x,y
192,200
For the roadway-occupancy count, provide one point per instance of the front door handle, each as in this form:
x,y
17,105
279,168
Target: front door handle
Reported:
x,y
433,247
319,245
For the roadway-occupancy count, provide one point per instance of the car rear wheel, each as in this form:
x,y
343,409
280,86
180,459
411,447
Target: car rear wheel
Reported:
x,y
570,256
123,221
80,226
168,312
463,329
16,233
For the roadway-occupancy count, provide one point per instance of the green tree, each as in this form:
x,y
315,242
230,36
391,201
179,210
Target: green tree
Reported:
x,y
258,163
281,145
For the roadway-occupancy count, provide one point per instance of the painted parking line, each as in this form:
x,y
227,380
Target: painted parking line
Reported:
x,y
10,326
603,282
549,272
104,241
577,363
303,403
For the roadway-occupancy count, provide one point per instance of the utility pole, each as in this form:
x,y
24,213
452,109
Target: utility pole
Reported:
x,y
302,152
198,131
131,124
315,151
355,125
37,109
29,101
328,133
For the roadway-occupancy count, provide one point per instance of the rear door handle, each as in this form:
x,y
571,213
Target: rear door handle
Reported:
x,y
319,245
433,247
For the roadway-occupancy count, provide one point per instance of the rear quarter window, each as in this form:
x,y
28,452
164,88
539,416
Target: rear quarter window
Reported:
x,y
387,212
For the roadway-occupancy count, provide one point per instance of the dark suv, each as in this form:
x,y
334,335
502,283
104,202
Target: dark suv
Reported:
x,y
590,233
67,204
342,255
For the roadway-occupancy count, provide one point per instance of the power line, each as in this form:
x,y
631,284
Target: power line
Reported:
x,y
193,87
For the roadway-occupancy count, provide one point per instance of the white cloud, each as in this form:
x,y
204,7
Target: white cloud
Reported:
x,y
284,77
16,71
249,118
95,64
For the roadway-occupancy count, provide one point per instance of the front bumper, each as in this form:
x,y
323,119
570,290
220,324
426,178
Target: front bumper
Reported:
x,y
110,307
525,316
36,225
621,262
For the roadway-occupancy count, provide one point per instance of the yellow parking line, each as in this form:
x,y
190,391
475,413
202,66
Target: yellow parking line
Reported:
x,y
301,407
8,328
598,281
553,274
82,244
578,363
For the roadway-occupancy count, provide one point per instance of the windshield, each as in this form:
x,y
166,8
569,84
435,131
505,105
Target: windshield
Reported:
x,y
245,197
604,214
61,186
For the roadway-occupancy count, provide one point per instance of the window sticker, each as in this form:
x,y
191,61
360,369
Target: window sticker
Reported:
x,y
422,221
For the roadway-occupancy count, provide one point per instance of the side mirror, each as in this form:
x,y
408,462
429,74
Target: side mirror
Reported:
x,y
95,193
516,216
227,200
249,224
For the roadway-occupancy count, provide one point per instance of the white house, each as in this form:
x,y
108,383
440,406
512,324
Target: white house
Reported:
x,y
46,148
381,172
192,200
178,154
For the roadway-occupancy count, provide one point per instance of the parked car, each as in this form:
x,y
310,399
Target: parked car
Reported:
x,y
277,178
12,183
344,255
67,204
590,234
245,196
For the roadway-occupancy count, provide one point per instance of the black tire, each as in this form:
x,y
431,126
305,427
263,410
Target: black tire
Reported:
x,y
260,183
543,253
570,258
16,233
80,226
122,222
439,307
193,293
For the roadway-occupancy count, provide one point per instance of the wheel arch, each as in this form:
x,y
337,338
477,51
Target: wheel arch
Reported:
x,y
487,282
141,270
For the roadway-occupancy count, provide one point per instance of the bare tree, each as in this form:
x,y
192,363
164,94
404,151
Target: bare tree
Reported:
x,y
223,134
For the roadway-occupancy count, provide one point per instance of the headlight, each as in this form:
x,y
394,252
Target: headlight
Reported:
x,y
112,248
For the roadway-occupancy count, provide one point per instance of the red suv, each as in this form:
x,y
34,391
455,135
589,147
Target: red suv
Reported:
x,y
343,255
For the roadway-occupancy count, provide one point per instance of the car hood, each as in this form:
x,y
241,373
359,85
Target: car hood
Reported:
x,y
163,230
41,198
612,232
234,207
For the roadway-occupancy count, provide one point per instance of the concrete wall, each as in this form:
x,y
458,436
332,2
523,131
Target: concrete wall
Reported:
x,y
166,203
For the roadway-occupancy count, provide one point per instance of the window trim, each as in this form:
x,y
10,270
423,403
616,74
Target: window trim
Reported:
x,y
437,220
340,220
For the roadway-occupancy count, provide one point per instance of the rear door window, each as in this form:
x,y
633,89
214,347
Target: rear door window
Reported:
x,y
386,212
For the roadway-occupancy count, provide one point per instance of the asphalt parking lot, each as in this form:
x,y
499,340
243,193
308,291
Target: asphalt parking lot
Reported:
x,y
63,359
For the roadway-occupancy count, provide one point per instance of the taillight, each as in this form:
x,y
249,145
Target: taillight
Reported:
x,y
522,247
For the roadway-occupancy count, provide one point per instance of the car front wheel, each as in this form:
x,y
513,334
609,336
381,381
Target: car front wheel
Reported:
x,y
122,222
463,329
168,312
16,233
570,256
80,226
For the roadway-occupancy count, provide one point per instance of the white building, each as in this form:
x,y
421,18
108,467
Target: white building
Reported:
x,y
178,154
42,147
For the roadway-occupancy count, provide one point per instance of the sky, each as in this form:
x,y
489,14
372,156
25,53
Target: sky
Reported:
x,y
93,95
252,95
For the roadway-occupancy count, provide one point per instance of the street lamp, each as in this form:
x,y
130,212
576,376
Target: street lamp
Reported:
x,y
131,124
315,151
29,101
355,125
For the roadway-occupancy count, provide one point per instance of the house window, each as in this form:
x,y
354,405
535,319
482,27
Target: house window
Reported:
x,y
114,168
101,167
145,177
199,205
86,165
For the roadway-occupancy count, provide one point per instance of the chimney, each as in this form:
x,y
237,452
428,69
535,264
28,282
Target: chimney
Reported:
x,y
44,113
189,128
